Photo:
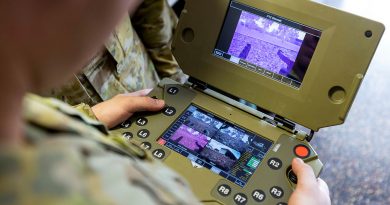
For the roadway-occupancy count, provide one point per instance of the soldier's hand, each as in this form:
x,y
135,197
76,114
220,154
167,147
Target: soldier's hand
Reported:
x,y
310,190
118,109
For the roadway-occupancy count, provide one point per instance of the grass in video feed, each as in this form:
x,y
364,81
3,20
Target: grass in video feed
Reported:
x,y
266,43
219,154
190,138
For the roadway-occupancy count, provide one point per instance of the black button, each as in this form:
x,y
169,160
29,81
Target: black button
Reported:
x,y
126,124
141,121
173,90
127,135
276,192
224,190
275,163
281,203
169,111
258,195
292,177
158,153
240,199
146,145
144,133
154,97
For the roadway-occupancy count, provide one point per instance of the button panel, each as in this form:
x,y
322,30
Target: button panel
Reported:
x,y
275,167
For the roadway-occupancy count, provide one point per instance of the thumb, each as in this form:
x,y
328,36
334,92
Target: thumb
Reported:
x,y
138,104
304,172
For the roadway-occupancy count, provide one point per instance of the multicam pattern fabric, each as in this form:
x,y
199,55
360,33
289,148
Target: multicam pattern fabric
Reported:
x,y
136,56
68,160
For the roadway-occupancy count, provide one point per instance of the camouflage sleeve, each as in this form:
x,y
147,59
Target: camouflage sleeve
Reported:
x,y
86,110
66,160
155,22
72,170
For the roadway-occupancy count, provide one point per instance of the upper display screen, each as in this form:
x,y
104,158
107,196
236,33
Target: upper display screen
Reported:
x,y
211,142
267,44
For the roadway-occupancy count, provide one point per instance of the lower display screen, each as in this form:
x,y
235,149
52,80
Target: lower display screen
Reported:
x,y
209,141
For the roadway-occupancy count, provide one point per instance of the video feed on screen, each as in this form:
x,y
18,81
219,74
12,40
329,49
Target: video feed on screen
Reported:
x,y
267,44
216,143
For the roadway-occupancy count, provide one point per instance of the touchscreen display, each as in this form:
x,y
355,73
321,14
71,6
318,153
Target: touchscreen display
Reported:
x,y
267,44
211,142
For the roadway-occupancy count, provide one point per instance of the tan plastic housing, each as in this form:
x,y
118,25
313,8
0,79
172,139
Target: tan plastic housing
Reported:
x,y
335,73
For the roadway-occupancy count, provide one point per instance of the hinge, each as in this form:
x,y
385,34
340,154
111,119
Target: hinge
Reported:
x,y
197,84
284,124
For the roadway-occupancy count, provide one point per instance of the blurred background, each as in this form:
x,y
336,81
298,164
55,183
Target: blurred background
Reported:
x,y
357,154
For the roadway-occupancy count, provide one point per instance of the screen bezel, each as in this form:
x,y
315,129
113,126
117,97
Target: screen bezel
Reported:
x,y
332,79
301,63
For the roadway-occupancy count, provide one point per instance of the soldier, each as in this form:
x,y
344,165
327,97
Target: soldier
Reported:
x,y
136,57
52,153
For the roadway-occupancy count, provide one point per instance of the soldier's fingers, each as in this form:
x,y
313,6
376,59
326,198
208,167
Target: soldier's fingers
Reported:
x,y
304,172
138,104
139,93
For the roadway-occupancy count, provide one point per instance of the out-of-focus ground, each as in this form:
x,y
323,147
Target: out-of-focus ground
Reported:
x,y
357,154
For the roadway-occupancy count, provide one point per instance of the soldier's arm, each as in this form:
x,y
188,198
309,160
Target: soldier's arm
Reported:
x,y
155,23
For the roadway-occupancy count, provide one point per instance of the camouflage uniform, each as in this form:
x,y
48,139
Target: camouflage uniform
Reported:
x,y
68,159
136,56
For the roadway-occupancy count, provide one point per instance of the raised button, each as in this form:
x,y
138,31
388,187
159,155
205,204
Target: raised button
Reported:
x,y
127,135
275,163
144,133
281,203
240,199
276,192
258,195
126,124
224,190
173,90
158,153
169,111
146,145
141,121
301,151
292,177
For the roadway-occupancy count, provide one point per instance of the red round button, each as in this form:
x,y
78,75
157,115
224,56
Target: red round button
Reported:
x,y
301,151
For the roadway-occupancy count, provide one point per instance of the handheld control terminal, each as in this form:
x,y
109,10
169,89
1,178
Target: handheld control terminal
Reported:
x,y
264,76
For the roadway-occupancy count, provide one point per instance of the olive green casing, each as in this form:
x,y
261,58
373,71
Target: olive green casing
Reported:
x,y
338,66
